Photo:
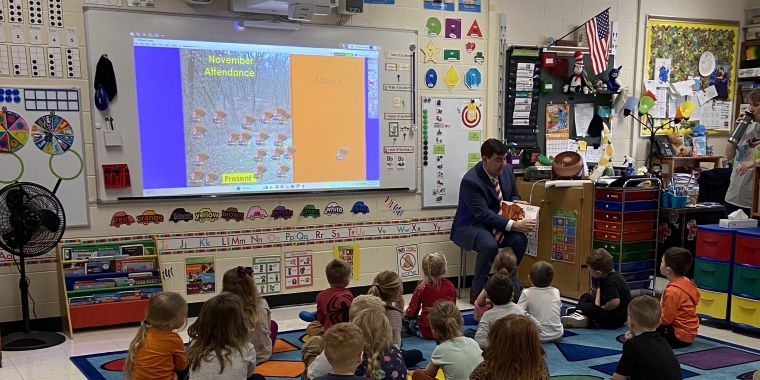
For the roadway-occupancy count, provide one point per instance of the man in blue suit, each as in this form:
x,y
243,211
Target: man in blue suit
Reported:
x,y
477,225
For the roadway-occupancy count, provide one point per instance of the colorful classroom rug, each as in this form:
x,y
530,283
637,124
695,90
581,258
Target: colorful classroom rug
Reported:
x,y
582,354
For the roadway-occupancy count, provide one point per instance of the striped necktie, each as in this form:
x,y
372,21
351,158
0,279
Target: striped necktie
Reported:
x,y
496,233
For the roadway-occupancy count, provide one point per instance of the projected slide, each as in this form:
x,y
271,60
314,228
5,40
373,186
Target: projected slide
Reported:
x,y
222,118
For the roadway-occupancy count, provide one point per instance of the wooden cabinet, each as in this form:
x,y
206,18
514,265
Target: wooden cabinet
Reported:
x,y
560,205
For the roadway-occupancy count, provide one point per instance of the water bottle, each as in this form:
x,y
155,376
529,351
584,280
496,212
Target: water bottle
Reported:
x,y
740,128
629,171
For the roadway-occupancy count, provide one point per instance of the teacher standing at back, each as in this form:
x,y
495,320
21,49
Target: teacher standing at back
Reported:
x,y
478,224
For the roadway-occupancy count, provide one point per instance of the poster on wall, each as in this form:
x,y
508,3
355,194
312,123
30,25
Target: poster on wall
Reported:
x,y
469,5
267,274
440,5
298,269
408,260
563,235
200,276
349,254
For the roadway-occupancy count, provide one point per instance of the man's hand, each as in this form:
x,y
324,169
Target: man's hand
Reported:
x,y
525,225
521,202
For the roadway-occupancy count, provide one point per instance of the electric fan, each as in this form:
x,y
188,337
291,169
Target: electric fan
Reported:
x,y
31,224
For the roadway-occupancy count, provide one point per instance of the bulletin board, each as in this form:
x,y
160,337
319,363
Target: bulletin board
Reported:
x,y
454,134
683,40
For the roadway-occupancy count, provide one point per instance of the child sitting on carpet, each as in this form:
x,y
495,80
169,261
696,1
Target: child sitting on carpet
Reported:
x,y
157,352
432,288
514,352
312,352
542,301
679,321
388,287
456,355
506,263
344,349
382,360
263,331
608,308
219,348
499,290
646,354
333,302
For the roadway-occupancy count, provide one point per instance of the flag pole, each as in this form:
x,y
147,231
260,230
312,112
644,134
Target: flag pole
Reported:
x,y
573,31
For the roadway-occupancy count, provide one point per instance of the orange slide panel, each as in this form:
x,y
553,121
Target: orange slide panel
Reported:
x,y
327,94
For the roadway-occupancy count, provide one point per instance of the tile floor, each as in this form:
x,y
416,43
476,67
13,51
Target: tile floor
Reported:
x,y
53,363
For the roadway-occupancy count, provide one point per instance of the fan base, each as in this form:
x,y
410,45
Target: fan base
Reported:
x,y
33,340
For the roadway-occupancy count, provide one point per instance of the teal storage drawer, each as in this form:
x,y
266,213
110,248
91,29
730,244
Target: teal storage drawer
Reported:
x,y
712,274
746,280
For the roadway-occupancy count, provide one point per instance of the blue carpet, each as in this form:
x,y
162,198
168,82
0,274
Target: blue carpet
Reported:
x,y
582,354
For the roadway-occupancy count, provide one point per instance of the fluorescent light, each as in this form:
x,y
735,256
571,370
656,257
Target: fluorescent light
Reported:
x,y
270,24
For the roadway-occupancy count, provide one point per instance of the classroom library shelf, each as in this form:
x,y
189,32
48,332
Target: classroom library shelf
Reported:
x,y
105,297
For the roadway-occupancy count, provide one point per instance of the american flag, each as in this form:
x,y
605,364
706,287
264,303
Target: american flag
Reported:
x,y
598,36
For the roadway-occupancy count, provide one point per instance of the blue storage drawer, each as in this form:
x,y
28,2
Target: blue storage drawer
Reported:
x,y
635,266
629,206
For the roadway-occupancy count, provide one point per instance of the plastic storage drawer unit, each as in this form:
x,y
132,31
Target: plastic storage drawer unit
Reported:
x,y
714,242
746,280
712,274
629,206
630,195
633,256
625,236
712,305
745,312
747,248
611,246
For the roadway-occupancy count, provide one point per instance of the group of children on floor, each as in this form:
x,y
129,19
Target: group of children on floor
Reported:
x,y
233,333
352,338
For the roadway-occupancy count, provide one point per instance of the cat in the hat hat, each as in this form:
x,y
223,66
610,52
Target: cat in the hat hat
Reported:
x,y
577,83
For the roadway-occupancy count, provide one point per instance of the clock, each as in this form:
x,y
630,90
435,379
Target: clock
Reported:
x,y
706,64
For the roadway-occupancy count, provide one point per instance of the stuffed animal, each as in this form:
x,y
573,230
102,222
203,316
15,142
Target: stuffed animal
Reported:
x,y
613,83
600,85
577,82
678,144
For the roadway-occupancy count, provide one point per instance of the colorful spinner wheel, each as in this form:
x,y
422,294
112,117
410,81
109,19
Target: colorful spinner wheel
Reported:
x,y
13,132
52,134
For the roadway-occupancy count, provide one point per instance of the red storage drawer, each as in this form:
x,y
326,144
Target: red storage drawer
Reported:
x,y
106,314
630,195
629,216
633,226
747,249
626,236
714,242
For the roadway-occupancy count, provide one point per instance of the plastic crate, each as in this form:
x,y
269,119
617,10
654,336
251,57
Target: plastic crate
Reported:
x,y
745,311
714,242
712,274
713,304
629,206
747,248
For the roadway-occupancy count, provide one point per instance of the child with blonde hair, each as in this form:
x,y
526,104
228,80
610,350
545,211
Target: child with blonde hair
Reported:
x,y
504,263
382,360
514,352
312,353
219,348
157,352
344,349
387,286
261,334
456,355
434,287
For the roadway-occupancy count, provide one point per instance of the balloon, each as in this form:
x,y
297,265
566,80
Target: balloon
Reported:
x,y
687,108
645,104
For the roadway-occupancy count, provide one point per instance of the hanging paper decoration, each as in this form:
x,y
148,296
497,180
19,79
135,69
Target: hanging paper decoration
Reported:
x,y
52,134
14,132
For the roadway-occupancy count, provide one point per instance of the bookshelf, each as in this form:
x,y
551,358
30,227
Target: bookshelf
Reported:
x,y
106,283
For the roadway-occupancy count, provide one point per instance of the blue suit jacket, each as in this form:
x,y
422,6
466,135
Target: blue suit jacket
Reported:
x,y
479,204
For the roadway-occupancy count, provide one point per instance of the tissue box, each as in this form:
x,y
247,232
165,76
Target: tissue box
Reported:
x,y
727,223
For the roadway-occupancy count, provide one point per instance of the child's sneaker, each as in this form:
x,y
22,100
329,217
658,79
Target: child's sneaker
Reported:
x,y
574,320
307,316
570,311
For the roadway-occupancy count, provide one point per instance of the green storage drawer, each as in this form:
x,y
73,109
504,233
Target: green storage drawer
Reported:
x,y
746,280
635,246
633,256
712,274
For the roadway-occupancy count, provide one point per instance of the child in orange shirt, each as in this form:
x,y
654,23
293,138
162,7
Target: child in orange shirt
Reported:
x,y
158,352
679,321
